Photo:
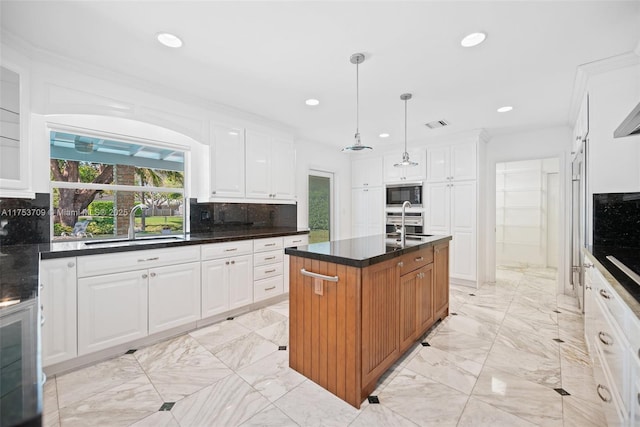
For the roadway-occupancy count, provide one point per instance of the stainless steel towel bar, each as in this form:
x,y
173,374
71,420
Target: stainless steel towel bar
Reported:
x,y
318,276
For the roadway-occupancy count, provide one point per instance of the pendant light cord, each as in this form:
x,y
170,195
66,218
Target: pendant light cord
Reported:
x,y
357,99
405,125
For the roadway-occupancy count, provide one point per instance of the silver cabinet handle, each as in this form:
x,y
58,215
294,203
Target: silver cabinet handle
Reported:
x,y
227,263
269,244
71,264
318,276
153,274
270,271
270,288
296,241
42,319
401,264
155,258
365,184
604,294
144,276
44,378
269,257
587,265
604,398
213,192
605,338
418,259
233,262
231,249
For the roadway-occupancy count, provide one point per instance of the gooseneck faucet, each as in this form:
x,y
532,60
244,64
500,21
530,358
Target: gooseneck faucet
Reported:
x,y
403,232
132,219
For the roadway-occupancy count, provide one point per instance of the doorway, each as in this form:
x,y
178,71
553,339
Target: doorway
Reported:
x,y
527,214
320,205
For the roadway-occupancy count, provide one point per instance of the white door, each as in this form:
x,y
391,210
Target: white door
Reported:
x,y
112,309
240,281
227,162
258,176
438,164
463,230
282,169
174,296
215,287
58,301
463,161
438,209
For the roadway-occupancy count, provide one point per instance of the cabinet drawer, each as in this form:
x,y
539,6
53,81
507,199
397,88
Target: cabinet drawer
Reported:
x,y
610,299
94,265
634,336
261,245
271,257
605,391
297,240
265,271
228,249
414,260
267,288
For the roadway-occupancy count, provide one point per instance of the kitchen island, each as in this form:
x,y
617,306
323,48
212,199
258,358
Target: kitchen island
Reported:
x,y
357,305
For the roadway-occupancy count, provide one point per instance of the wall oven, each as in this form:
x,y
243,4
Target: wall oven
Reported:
x,y
413,222
399,193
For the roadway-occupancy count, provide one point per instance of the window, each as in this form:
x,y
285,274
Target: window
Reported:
x,y
96,182
320,205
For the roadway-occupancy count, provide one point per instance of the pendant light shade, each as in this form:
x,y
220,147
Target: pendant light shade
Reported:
x,y
357,59
405,156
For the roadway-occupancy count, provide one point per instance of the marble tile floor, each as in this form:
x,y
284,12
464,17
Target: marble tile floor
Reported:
x,y
499,359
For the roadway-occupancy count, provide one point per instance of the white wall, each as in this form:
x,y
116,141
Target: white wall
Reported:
x,y
312,155
536,144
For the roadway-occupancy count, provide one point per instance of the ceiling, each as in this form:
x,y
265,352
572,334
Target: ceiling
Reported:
x,y
267,57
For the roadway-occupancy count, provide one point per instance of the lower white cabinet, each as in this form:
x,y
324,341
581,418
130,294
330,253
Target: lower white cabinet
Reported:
x,y
268,268
367,210
58,302
174,296
112,309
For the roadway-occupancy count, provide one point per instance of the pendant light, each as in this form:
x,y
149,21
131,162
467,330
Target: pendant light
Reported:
x,y
357,59
405,156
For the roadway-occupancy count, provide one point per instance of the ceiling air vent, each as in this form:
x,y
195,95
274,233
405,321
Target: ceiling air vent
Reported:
x,y
437,124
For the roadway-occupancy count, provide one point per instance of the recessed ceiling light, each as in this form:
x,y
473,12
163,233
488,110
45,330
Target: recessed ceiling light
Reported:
x,y
169,40
473,39
504,109
384,135
312,102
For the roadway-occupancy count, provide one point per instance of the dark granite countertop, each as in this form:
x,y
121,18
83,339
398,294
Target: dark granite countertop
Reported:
x,y
82,248
363,251
628,290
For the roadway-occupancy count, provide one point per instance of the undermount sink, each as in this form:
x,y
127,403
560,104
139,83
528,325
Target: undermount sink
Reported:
x,y
138,241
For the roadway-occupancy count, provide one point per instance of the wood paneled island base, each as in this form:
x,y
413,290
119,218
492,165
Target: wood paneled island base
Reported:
x,y
352,318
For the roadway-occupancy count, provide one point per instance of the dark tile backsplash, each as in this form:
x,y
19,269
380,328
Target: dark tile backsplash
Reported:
x,y
616,220
212,217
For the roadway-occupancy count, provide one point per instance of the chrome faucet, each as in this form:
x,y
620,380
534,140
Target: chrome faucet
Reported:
x,y
403,231
132,219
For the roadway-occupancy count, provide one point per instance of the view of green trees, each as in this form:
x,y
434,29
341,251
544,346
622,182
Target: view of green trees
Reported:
x,y
319,209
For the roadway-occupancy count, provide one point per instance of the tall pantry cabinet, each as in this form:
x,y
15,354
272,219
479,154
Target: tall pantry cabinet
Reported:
x,y
367,197
453,198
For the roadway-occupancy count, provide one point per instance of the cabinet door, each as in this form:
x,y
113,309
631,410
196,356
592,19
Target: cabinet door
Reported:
x,y
463,230
441,280
258,176
391,172
215,287
359,212
409,308
174,296
112,309
240,281
463,161
438,208
374,205
58,301
283,170
419,172
424,298
438,164
227,162
366,172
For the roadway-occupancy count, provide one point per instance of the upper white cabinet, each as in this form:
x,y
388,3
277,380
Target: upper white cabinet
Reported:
x,y
366,172
409,173
14,142
270,167
452,162
227,162
367,208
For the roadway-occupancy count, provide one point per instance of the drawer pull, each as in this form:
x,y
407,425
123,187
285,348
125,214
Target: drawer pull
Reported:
x,y
604,294
418,259
231,249
153,274
71,264
318,276
605,338
270,288
401,264
155,258
44,378
233,262
227,263
273,270
296,241
269,244
606,399
144,276
269,257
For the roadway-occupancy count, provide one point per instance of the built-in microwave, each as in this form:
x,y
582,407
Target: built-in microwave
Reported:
x,y
397,194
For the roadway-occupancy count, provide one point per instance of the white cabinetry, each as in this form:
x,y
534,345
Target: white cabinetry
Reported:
x,y
452,163
367,210
114,308
291,242
58,302
227,162
268,268
270,167
408,173
227,276
366,172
